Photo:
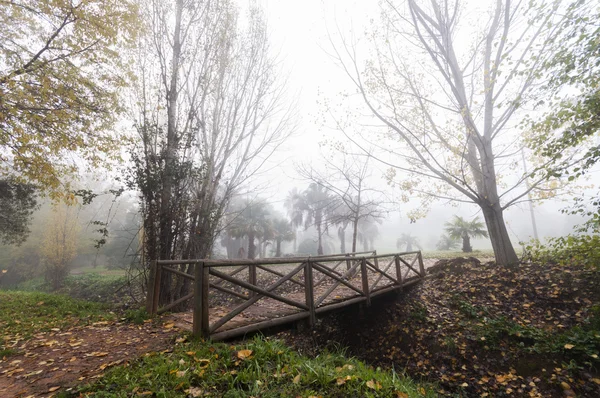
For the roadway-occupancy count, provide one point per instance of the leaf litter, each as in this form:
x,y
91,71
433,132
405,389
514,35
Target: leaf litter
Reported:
x,y
60,359
480,330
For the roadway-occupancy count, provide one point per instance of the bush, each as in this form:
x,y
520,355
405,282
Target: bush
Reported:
x,y
581,249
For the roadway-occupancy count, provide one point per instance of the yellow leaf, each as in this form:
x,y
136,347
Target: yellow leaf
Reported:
x,y
191,353
169,325
52,389
371,384
597,381
569,346
244,354
340,381
296,379
464,385
4,271
181,373
400,394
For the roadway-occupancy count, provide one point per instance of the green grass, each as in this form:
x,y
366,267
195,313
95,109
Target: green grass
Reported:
x,y
269,369
23,314
100,287
99,270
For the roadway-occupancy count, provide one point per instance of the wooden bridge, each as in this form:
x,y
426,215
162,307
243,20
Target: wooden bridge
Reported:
x,y
235,297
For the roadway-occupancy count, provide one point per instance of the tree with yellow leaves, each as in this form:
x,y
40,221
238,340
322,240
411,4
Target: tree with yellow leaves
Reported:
x,y
60,73
60,243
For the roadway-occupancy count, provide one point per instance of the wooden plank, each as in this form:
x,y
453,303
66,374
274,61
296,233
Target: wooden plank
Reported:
x,y
375,259
236,311
334,286
274,261
177,272
175,303
297,282
365,280
201,286
320,269
308,293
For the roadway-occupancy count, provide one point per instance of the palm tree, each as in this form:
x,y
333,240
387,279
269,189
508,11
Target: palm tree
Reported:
x,y
409,241
312,207
282,231
367,233
292,204
462,229
252,222
447,243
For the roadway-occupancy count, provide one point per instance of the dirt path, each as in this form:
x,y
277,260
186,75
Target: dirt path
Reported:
x,y
59,360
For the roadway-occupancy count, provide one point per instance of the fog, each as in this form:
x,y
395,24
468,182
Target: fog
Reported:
x,y
330,123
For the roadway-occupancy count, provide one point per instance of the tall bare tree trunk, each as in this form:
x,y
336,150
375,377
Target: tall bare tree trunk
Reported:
x,y
166,199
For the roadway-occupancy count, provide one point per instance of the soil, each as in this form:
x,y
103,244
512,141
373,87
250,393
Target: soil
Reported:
x,y
57,361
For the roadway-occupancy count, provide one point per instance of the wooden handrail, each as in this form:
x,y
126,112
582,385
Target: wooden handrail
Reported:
x,y
371,277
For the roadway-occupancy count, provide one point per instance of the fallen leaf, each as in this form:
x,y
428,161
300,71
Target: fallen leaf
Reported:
x,y
569,346
296,379
52,389
400,394
244,354
194,392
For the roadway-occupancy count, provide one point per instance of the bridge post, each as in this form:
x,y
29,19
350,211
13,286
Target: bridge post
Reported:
x,y
398,270
308,291
421,265
201,327
252,279
365,280
153,287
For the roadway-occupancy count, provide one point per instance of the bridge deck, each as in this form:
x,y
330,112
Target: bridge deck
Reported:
x,y
235,297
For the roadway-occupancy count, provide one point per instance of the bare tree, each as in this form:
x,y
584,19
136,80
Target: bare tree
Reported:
x,y
449,110
211,112
347,182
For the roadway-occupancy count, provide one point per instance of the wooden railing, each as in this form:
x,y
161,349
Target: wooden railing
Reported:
x,y
318,277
